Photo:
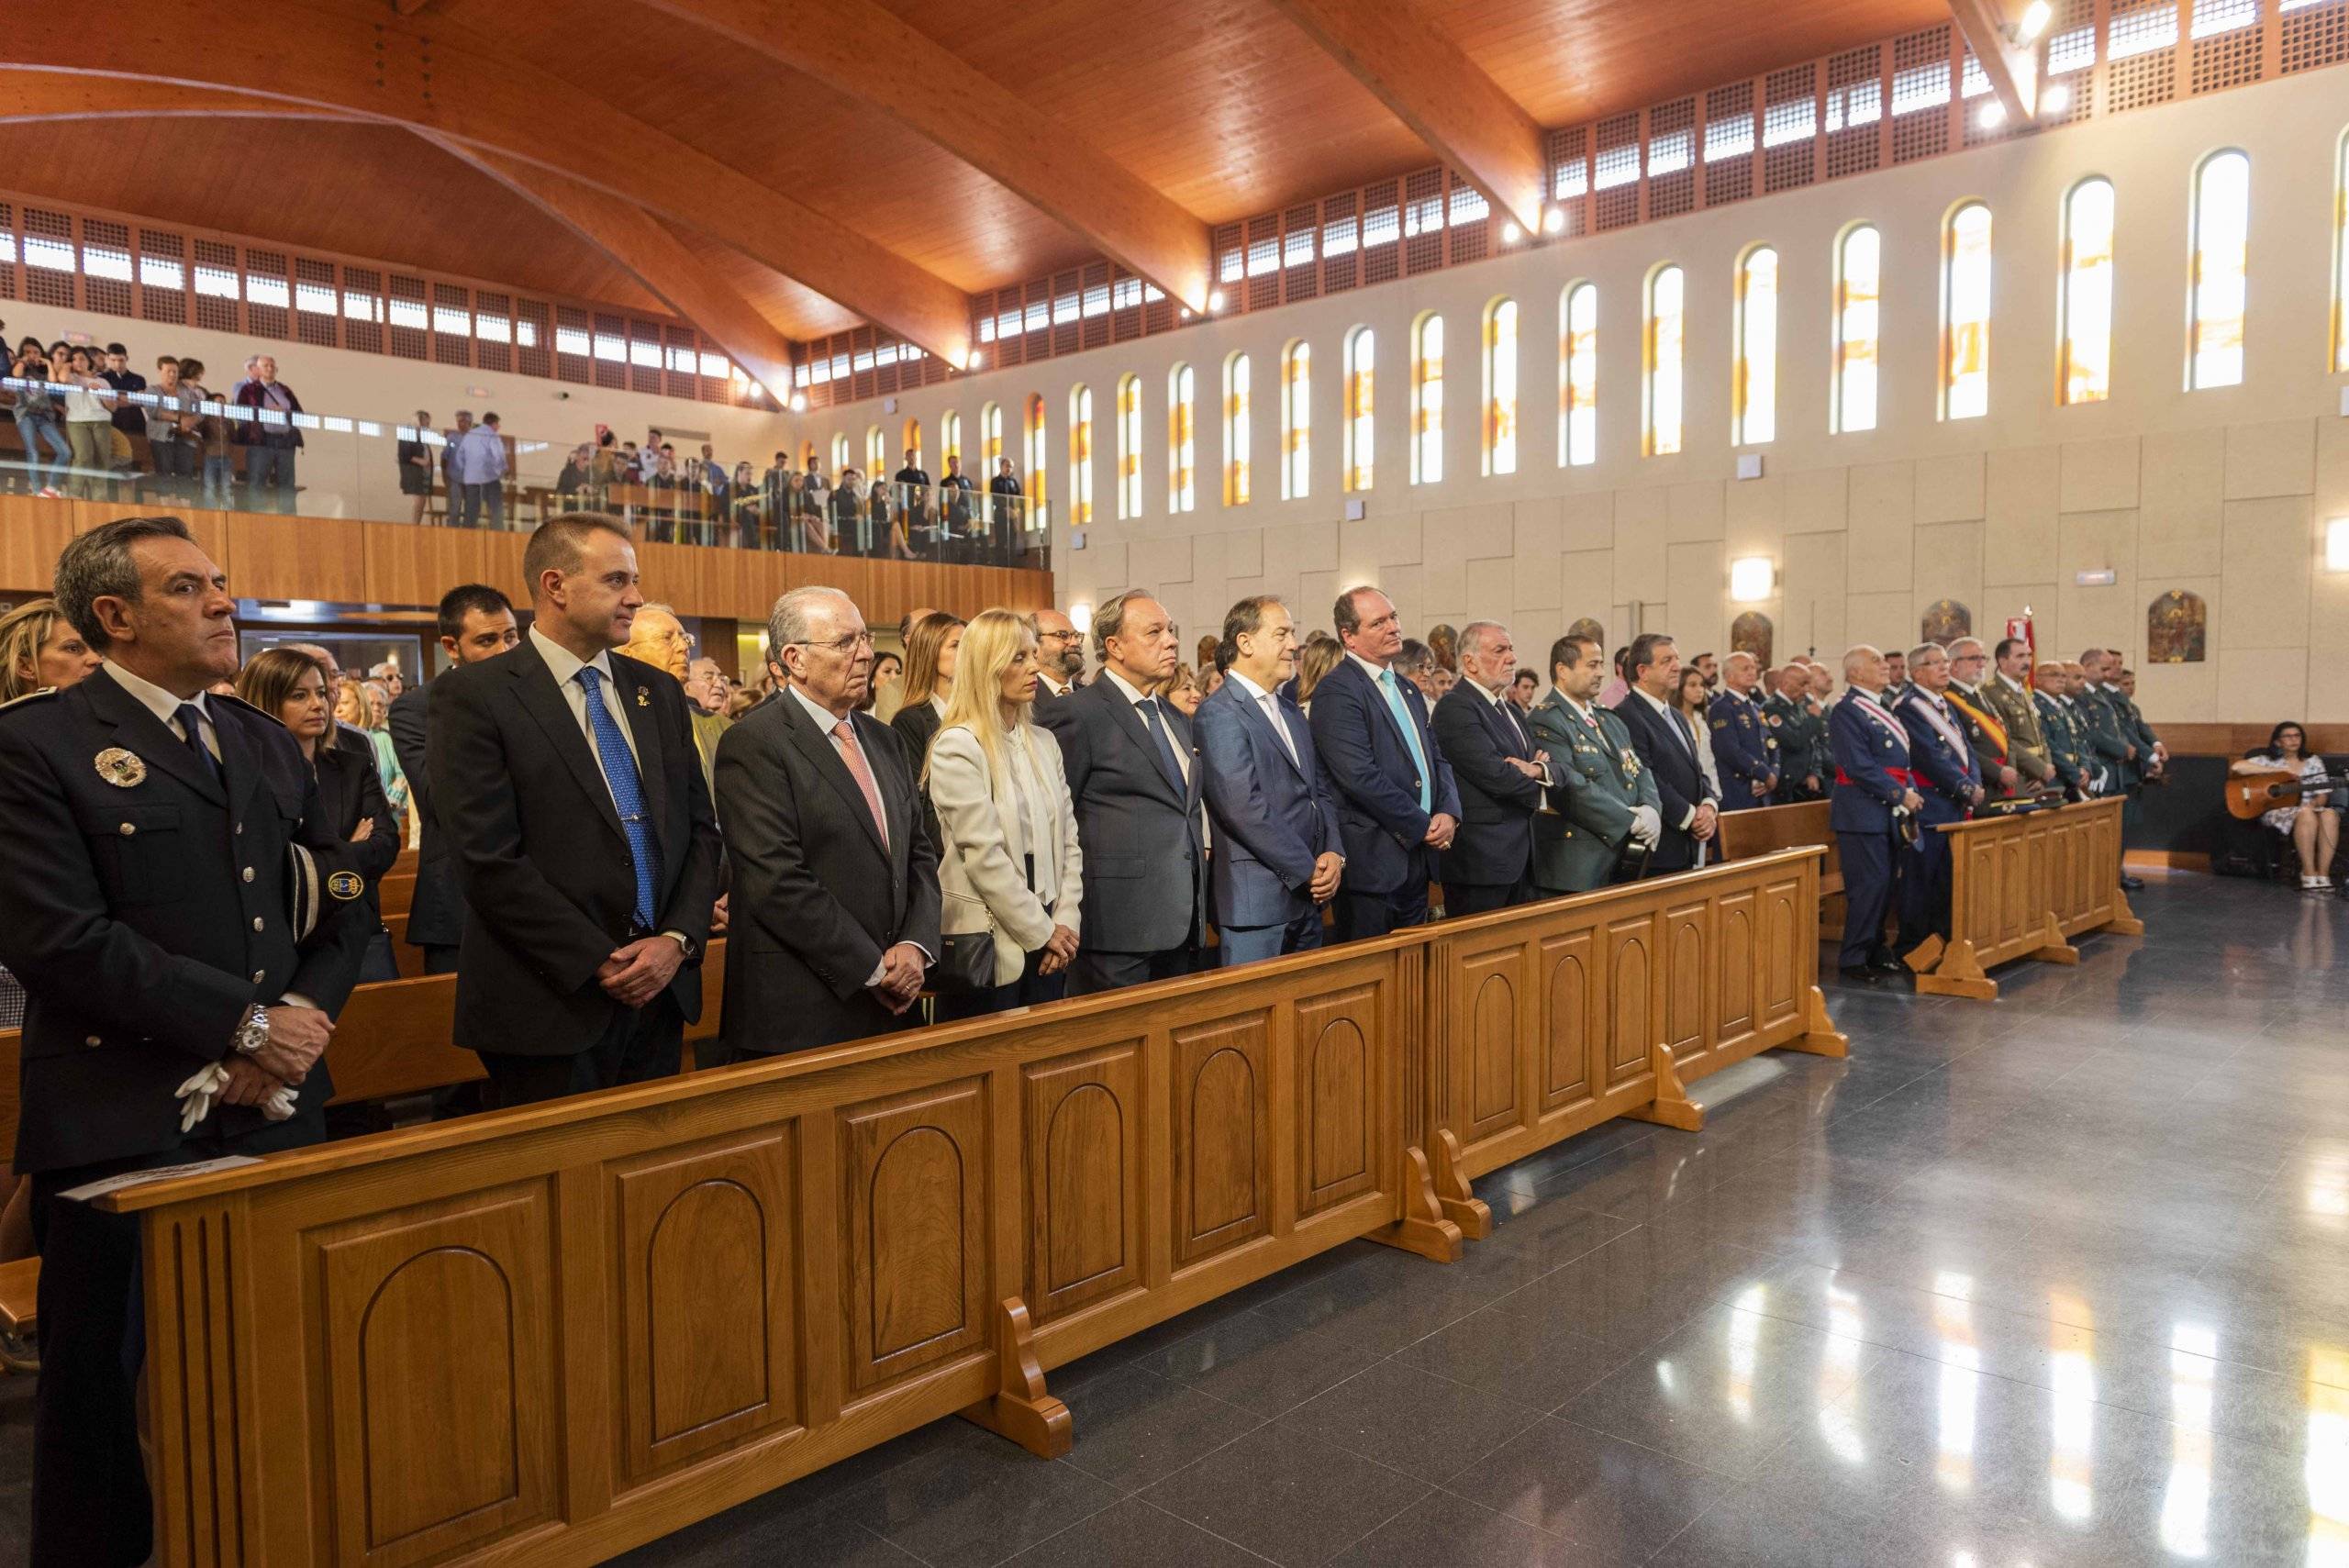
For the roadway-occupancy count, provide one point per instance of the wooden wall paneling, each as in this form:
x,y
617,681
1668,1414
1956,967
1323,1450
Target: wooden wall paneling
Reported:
x,y
1635,978
1688,978
33,533
298,558
1571,1057
1488,991
1340,1097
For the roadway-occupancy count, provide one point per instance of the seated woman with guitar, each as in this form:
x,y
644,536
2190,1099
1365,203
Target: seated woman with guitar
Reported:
x,y
2287,789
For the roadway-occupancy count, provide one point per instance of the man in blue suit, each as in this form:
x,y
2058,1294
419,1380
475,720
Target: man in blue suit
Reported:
x,y
1665,743
1745,750
1873,783
1276,858
1943,773
1397,806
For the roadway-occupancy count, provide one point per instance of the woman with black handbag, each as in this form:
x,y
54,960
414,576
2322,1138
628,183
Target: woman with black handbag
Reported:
x,y
1008,865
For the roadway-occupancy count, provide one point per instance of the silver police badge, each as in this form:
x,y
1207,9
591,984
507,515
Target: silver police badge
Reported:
x,y
120,768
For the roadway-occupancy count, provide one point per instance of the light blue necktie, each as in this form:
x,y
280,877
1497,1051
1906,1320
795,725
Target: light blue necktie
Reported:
x,y
1410,735
628,791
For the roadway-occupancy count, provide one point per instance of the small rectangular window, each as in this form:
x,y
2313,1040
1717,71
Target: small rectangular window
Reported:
x,y
105,262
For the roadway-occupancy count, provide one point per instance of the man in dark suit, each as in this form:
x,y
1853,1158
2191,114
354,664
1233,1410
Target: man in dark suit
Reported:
x,y
1500,774
566,777
833,907
1943,775
476,622
1873,789
1398,804
1276,858
1134,775
165,850
1060,658
1666,746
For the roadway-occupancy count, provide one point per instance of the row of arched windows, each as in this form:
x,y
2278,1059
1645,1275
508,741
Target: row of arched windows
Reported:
x,y
2216,288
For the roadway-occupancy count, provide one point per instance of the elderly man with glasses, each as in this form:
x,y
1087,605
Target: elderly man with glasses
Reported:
x,y
834,905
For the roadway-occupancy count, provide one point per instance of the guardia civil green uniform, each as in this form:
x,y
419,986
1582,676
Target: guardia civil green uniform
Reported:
x,y
1800,735
1596,781
2026,743
2066,748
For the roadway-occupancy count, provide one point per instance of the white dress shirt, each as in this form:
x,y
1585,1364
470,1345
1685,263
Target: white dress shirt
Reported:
x,y
166,707
1269,705
1679,726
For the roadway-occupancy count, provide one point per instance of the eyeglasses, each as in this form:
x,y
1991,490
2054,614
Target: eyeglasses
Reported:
x,y
848,644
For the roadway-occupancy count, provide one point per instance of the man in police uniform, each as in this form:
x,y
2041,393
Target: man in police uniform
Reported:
x,y
163,849
1745,752
1601,800
1820,681
1798,732
2142,754
1874,787
2009,694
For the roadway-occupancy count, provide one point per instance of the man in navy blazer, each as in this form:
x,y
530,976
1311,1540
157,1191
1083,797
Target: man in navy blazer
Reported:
x,y
1666,744
1874,782
1500,774
1943,772
1276,857
1397,806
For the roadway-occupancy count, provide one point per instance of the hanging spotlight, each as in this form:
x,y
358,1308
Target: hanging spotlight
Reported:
x,y
1554,221
1993,114
2035,18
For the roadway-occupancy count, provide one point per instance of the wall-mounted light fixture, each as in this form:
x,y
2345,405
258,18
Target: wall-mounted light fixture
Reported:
x,y
1751,579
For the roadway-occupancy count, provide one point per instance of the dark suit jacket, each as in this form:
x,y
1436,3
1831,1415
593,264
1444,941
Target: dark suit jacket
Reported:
x,y
1679,778
1145,857
816,900
917,725
1494,844
143,920
1379,784
350,792
436,911
540,852
1274,815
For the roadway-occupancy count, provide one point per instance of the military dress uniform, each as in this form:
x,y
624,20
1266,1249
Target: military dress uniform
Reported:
x,y
2067,749
1979,721
1745,751
159,878
1596,784
1871,769
1798,732
1944,775
2026,743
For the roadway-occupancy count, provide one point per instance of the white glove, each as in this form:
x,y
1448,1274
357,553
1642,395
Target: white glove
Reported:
x,y
1647,824
201,1093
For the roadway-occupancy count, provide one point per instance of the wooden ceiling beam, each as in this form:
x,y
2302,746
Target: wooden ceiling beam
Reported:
x,y
1991,32
417,74
661,261
978,118
1446,98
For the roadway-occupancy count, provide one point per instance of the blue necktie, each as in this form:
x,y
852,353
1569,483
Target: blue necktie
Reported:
x,y
1156,725
628,791
1410,734
190,719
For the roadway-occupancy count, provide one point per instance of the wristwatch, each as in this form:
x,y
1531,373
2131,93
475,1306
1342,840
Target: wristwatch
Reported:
x,y
252,1032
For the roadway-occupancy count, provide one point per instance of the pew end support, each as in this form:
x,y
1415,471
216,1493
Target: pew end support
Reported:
x,y
1022,1409
1424,1228
1672,1106
2052,947
1820,1036
1950,969
2124,921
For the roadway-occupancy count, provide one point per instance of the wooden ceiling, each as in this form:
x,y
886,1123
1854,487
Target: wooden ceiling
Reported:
x,y
1210,110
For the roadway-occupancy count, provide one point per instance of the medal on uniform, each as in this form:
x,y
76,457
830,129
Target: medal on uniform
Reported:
x,y
643,696
1630,764
120,768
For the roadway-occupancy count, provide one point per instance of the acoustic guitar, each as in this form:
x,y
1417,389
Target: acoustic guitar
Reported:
x,y
2250,794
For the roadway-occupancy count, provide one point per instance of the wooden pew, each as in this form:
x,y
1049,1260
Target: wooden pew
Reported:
x,y
652,1304
2019,886
1768,829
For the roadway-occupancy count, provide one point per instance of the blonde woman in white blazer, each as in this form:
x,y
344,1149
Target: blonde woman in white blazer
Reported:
x,y
1008,861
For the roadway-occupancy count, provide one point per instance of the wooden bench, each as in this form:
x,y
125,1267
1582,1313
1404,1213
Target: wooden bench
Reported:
x,y
19,1292
1768,829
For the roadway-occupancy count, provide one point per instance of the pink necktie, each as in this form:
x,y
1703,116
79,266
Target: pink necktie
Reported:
x,y
844,737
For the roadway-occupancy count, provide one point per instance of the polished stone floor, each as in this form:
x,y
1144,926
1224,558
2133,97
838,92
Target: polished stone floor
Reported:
x,y
2057,1280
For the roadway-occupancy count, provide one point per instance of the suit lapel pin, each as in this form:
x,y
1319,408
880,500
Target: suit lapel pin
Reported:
x,y
120,768
644,696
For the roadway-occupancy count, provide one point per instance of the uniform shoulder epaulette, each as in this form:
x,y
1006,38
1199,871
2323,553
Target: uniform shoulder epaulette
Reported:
x,y
44,694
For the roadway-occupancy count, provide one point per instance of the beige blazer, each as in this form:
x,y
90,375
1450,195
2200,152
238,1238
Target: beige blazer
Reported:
x,y
981,874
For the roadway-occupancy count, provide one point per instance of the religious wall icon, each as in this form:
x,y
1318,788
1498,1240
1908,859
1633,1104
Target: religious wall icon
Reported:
x,y
2176,629
1946,620
1751,633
